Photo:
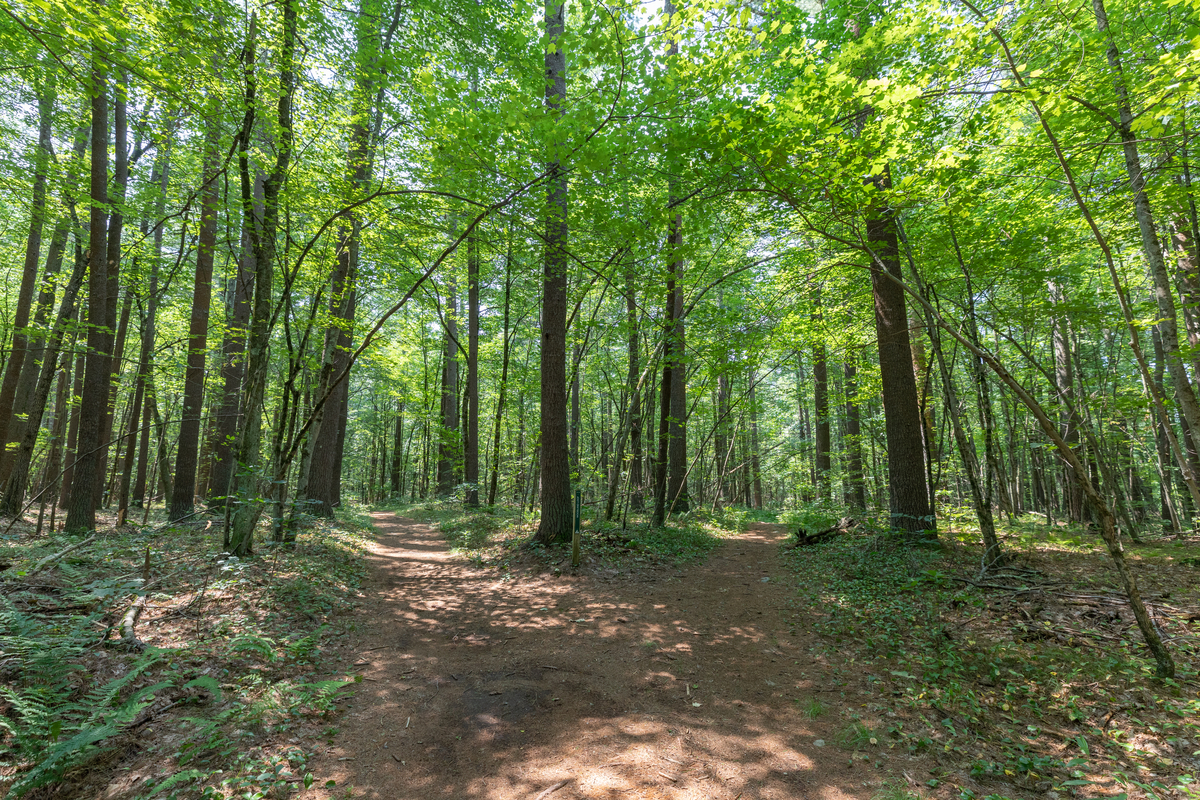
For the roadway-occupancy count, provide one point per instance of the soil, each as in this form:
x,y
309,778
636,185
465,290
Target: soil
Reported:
x,y
676,684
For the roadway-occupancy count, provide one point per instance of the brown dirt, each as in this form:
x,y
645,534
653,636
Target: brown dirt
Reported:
x,y
478,685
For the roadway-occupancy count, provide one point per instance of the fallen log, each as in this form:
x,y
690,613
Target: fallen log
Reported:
x,y
843,526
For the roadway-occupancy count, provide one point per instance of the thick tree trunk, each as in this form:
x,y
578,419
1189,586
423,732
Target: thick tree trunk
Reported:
x,y
81,511
557,513
909,507
182,502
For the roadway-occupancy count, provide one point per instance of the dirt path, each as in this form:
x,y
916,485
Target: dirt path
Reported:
x,y
681,687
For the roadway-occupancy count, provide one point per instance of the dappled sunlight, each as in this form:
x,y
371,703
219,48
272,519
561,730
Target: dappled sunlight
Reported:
x,y
475,687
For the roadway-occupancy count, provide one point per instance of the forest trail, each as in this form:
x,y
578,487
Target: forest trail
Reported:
x,y
680,685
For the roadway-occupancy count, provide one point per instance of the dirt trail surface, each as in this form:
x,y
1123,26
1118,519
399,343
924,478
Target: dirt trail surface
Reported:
x,y
680,686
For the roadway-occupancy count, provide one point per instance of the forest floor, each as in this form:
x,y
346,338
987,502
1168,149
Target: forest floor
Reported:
x,y
861,668
427,653
666,683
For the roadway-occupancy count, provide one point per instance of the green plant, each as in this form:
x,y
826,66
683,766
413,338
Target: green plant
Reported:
x,y
856,736
895,789
811,707
50,726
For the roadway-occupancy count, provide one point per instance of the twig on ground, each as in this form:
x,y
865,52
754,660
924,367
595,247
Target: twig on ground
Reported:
x,y
552,790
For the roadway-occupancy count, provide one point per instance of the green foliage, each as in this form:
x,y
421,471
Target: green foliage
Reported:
x,y
53,726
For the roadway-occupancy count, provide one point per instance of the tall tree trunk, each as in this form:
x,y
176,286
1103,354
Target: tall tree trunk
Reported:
x,y
116,226
449,450
755,459
14,491
557,513
47,95
636,481
81,511
263,232
233,367
821,404
471,446
182,502
503,387
909,506
1168,327
160,175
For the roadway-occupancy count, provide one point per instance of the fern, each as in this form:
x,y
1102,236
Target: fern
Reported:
x,y
48,721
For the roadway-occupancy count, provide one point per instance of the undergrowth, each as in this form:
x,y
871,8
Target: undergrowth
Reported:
x,y
228,656
501,537
986,681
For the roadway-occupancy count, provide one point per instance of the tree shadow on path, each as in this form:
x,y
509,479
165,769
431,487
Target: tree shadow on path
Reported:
x,y
479,685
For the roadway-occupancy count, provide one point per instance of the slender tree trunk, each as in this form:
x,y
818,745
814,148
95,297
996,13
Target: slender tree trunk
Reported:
x,y
636,481
262,237
821,406
557,513
855,491
471,446
29,275
503,387
14,492
448,433
755,460
116,225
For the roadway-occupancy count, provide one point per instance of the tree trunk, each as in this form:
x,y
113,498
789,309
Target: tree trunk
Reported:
x,y
448,433
557,513
81,511
755,460
503,387
182,502
909,506
471,446
262,237
116,225
821,405
29,275
855,492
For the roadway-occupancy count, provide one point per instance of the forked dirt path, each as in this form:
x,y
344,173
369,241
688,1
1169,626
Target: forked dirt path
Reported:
x,y
678,687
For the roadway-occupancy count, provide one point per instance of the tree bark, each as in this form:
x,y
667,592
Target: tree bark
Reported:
x,y
909,503
448,433
471,446
81,510
29,275
183,497
557,513
855,492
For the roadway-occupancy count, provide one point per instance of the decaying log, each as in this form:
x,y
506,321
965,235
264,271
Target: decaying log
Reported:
x,y
843,526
